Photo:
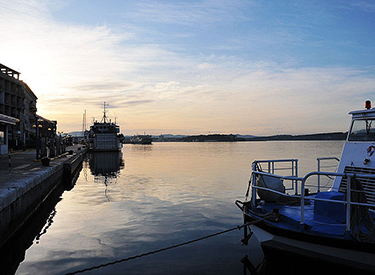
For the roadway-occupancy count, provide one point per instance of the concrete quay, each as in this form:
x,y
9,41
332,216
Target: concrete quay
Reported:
x,y
28,183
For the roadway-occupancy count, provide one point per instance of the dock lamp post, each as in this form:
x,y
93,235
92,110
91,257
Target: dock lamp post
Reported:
x,y
37,126
36,137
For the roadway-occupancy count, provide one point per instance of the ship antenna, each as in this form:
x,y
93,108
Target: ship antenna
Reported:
x,y
104,119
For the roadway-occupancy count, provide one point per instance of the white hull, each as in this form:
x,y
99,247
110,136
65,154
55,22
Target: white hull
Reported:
x,y
347,257
106,142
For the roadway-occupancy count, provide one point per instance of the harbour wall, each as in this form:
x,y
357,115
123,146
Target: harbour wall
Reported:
x,y
21,195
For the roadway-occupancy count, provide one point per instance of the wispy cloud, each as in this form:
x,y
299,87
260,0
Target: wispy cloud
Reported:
x,y
207,13
138,102
366,6
194,65
104,85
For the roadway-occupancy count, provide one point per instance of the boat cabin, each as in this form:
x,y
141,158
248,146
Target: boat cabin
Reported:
x,y
358,155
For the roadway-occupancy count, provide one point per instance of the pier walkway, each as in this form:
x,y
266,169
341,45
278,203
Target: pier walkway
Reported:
x,y
22,162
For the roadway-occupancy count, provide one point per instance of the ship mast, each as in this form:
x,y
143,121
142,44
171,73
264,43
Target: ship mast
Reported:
x,y
104,118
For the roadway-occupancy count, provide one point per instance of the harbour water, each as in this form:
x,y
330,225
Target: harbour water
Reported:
x,y
154,196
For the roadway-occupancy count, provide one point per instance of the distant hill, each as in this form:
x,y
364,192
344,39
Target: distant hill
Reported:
x,y
238,137
214,137
245,136
76,133
321,136
172,136
226,138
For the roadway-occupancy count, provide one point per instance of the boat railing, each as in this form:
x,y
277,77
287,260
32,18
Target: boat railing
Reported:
x,y
285,165
348,202
327,164
302,196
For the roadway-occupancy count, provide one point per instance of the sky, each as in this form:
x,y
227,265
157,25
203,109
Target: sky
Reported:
x,y
194,67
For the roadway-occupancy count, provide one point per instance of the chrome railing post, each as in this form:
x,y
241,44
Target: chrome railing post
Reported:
x,y
318,175
319,167
296,176
348,188
269,167
302,221
253,189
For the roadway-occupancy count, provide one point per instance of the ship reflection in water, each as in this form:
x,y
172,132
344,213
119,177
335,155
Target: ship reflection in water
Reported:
x,y
105,166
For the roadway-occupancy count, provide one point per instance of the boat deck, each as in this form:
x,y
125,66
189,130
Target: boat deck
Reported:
x,y
290,217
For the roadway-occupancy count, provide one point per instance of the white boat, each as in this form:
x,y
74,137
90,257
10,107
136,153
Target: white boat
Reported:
x,y
334,225
141,139
104,136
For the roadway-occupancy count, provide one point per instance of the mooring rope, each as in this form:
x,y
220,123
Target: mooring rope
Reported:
x,y
163,249
360,214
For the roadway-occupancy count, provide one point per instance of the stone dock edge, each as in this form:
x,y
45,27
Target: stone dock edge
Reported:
x,y
21,195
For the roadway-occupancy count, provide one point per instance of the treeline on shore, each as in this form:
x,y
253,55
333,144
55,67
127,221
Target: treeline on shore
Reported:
x,y
233,138
323,136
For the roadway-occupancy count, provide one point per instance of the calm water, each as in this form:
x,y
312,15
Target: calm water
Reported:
x,y
156,196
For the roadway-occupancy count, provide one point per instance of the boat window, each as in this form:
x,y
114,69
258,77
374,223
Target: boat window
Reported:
x,y
362,130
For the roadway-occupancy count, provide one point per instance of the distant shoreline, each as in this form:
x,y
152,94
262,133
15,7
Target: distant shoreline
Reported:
x,y
239,138
322,136
236,137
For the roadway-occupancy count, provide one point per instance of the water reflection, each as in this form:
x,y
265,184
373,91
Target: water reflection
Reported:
x,y
168,193
105,166
12,253
142,147
280,262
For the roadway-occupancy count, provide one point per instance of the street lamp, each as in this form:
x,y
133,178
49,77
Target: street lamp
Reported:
x,y
37,136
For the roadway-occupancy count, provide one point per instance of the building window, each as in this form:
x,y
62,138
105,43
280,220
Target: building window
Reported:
x,y
2,137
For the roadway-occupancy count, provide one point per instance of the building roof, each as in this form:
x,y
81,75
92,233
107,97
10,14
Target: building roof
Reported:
x,y
45,119
10,72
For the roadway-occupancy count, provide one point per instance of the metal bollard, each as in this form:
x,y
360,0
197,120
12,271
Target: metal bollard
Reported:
x,y
10,164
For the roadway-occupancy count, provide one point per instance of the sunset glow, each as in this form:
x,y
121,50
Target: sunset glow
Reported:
x,y
194,67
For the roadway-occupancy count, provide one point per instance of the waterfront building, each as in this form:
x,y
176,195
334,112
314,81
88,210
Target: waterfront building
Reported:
x,y
17,111
29,116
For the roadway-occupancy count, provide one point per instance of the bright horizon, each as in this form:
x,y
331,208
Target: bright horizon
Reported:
x,y
194,67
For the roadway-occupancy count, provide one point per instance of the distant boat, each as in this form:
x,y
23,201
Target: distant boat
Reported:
x,y
141,139
104,136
